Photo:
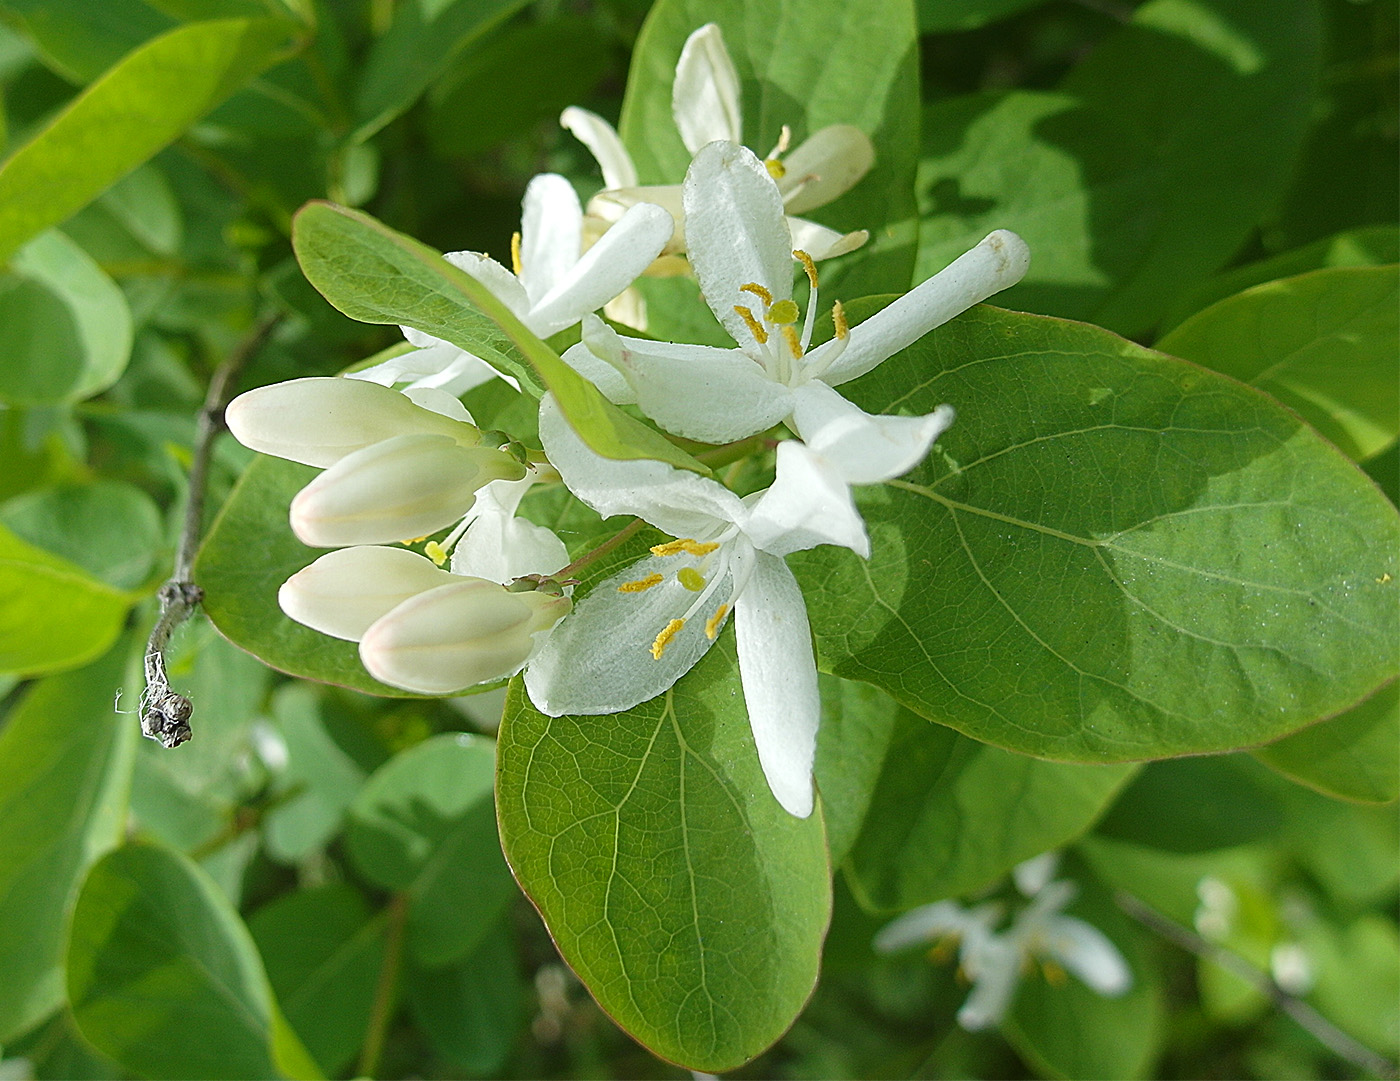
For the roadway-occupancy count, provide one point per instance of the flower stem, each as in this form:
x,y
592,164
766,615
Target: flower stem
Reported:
x,y
626,533
386,990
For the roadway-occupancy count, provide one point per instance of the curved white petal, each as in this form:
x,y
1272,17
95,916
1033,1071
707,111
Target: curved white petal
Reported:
x,y
779,675
500,547
705,94
820,242
428,357
1033,875
345,591
551,234
584,360
600,660
809,503
1088,953
678,502
504,285
922,925
605,270
438,401
864,448
736,233
993,988
610,204
997,263
603,143
824,167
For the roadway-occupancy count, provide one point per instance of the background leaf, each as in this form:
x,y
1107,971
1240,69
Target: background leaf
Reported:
x,y
110,529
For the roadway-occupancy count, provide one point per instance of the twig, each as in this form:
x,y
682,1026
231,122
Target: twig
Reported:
x,y
165,713
1321,1029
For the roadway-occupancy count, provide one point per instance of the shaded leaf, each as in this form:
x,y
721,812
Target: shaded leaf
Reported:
x,y
109,528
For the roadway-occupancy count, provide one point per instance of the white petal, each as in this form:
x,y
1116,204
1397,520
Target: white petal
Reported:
x,y
864,448
705,94
676,501
600,659
736,232
610,204
779,675
993,987
700,392
820,242
997,263
1033,875
465,372
605,270
345,591
629,308
439,402
826,166
430,356
504,285
602,141
500,547
551,234
922,925
599,372
1087,952
809,503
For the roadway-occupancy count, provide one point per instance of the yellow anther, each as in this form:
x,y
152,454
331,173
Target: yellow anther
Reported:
x,y
755,327
686,545
807,265
515,253
414,540
692,579
436,552
1055,976
838,316
758,291
794,343
641,585
776,169
712,624
664,638
784,311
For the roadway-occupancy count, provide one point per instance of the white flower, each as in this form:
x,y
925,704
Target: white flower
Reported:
x,y
994,960
638,632
705,105
741,255
554,283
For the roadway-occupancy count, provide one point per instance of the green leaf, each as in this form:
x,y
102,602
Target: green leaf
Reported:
x,y
54,615
1348,849
690,904
941,16
1165,147
417,49
1112,555
323,952
856,725
65,328
1358,978
154,946
950,815
109,528
240,594
1351,756
65,771
128,115
80,39
376,275
1323,343
424,824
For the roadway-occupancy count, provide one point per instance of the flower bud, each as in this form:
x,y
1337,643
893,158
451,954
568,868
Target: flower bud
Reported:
x,y
345,591
456,635
397,489
319,421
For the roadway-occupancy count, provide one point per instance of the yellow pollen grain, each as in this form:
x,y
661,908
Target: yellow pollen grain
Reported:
x,y
414,540
436,552
776,169
686,545
758,291
692,579
1055,976
664,638
838,316
515,253
794,343
755,327
785,311
641,585
807,265
712,624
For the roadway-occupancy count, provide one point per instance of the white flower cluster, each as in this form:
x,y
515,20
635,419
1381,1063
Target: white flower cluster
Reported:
x,y
407,463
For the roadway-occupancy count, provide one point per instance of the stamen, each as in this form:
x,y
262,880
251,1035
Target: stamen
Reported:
x,y
758,291
641,585
689,547
434,551
784,141
776,169
515,253
415,540
807,264
664,638
1055,976
838,316
712,624
784,311
794,343
692,579
755,327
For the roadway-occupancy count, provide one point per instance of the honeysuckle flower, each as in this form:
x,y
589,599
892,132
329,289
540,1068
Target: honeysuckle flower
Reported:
x,y
993,960
639,631
744,262
554,282
705,106
497,544
343,593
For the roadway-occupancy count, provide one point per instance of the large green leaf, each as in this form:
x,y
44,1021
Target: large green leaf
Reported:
x,y
424,824
138,107
156,954
55,615
950,815
109,528
940,16
1112,554
1164,148
65,769
1323,343
857,722
687,900
376,275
